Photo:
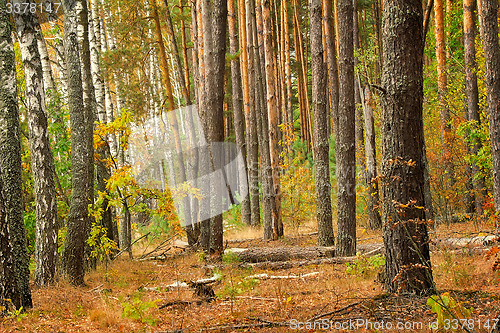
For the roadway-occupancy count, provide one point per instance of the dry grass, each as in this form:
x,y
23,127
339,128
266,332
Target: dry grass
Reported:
x,y
99,306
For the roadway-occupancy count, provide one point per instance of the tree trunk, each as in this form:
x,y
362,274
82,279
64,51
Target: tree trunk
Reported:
x,y
301,76
371,161
345,144
443,91
90,106
489,35
214,39
74,244
472,93
8,285
272,108
249,105
16,261
268,201
102,171
288,70
174,121
320,130
333,74
408,266
239,117
46,256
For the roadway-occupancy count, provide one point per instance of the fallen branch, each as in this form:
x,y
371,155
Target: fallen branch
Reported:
x,y
130,246
157,248
178,302
347,307
263,324
292,276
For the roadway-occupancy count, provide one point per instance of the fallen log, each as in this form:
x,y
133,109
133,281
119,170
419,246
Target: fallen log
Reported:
x,y
265,276
278,254
277,265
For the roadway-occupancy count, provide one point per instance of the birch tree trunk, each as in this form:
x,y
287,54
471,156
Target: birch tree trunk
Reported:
x,y
16,261
46,256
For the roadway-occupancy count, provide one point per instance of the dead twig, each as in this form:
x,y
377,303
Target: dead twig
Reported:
x,y
347,307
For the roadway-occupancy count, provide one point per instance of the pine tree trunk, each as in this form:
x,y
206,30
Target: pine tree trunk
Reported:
x,y
301,76
345,145
268,201
489,35
74,244
331,50
272,107
16,260
320,130
288,70
214,39
250,105
472,92
442,78
46,257
239,117
408,267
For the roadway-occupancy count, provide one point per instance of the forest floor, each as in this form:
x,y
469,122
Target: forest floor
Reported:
x,y
134,296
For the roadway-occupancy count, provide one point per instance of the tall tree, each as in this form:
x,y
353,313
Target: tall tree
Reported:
x,y
472,93
74,244
272,108
46,256
489,35
408,267
237,94
214,39
331,50
320,127
249,105
345,143
13,256
443,89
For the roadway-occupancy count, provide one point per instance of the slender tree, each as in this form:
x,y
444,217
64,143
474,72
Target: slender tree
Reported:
x,y
46,256
408,267
74,244
472,93
443,88
272,108
237,95
489,35
249,105
14,261
345,143
320,129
